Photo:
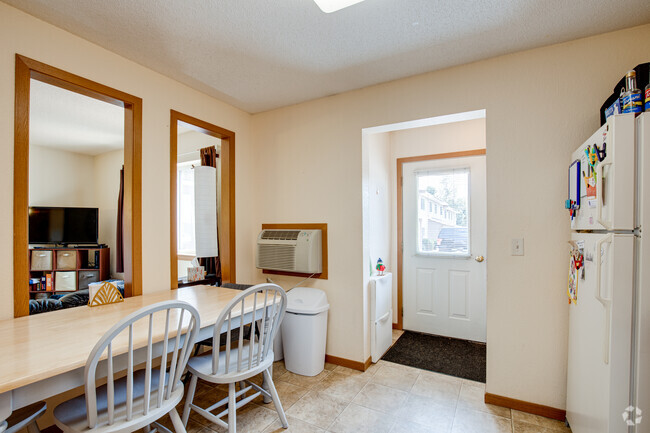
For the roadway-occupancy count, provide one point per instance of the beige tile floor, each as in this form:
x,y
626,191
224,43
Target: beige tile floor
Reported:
x,y
388,398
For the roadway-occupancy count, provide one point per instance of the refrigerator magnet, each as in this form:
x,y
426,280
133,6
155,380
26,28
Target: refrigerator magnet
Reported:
x,y
572,286
590,184
601,152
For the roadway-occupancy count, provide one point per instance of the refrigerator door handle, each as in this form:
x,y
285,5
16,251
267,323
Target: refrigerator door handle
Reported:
x,y
600,168
383,318
606,303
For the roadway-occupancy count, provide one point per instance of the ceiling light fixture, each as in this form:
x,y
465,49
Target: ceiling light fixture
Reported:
x,y
329,6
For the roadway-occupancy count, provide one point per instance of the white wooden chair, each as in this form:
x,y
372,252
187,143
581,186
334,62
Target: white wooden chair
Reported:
x,y
237,361
26,417
139,398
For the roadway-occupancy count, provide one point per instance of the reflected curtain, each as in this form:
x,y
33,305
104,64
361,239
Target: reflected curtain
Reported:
x,y
212,265
119,242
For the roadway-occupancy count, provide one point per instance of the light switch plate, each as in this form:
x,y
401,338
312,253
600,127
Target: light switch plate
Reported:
x,y
517,247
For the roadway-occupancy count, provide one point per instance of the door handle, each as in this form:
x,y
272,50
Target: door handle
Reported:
x,y
600,194
479,258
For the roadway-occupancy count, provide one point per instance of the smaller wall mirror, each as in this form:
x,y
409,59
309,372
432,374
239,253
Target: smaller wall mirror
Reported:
x,y
202,202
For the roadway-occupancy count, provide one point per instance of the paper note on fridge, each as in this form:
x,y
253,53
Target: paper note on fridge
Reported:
x,y
584,166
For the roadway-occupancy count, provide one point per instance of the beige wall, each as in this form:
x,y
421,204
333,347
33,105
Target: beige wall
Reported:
x,y
380,204
60,178
193,141
540,104
23,34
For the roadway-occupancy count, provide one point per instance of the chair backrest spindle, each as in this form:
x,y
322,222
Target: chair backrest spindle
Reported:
x,y
110,384
172,371
252,334
147,371
129,377
264,319
240,346
259,347
163,361
168,381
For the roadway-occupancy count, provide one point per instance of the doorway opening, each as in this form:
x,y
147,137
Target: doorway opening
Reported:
x,y
424,216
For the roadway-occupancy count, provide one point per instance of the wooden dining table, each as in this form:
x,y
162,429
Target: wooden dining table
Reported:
x,y
45,354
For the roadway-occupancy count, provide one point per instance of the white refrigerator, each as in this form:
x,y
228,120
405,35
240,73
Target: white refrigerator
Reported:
x,y
608,374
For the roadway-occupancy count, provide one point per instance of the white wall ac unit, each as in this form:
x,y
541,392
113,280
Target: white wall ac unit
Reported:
x,y
290,250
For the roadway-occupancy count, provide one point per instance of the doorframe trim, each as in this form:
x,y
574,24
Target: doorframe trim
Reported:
x,y
227,212
400,213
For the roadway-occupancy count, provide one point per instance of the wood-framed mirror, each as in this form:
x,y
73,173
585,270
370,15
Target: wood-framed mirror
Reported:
x,y
187,136
27,72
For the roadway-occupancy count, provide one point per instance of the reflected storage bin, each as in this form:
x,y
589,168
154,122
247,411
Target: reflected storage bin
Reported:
x,y
65,281
87,277
66,259
41,260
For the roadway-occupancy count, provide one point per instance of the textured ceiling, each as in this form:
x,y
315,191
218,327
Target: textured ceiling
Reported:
x,y
261,54
65,120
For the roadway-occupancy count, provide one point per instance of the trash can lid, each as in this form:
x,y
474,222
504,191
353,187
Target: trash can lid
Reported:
x,y
306,300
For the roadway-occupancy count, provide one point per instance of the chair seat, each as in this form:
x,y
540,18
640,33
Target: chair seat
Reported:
x,y
202,365
71,415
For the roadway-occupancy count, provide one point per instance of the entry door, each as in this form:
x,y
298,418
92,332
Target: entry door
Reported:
x,y
444,239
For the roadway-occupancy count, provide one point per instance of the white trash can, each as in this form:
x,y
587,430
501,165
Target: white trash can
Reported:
x,y
304,331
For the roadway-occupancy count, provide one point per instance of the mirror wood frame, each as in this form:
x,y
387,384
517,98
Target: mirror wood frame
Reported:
x,y
227,210
27,69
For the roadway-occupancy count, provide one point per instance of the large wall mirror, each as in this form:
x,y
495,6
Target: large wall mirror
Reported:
x,y
77,188
202,174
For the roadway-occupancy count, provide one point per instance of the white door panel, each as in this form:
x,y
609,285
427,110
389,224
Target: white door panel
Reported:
x,y
425,291
444,229
459,294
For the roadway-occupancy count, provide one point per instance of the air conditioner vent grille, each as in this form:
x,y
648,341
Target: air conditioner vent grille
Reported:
x,y
276,256
280,235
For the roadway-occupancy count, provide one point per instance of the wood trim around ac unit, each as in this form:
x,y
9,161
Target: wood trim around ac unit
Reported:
x,y
306,226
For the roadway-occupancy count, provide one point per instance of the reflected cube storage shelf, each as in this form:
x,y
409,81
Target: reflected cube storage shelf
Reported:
x,y
69,269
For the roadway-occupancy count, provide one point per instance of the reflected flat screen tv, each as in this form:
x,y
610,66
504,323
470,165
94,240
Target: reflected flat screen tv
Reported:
x,y
63,225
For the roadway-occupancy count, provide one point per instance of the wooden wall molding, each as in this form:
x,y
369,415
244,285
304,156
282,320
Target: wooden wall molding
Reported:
x,y
524,406
227,212
307,226
354,365
27,69
400,204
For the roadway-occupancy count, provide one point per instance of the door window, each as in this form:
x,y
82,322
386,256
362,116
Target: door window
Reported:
x,y
445,230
